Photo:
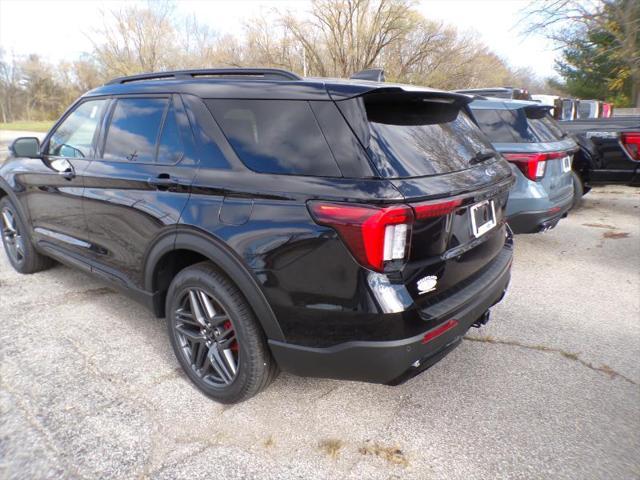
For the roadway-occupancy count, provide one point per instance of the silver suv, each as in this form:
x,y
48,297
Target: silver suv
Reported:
x,y
540,154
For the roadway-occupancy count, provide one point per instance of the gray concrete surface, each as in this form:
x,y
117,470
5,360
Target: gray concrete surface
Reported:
x,y
89,387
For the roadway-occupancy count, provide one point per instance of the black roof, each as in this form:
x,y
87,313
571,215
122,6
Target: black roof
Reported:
x,y
257,84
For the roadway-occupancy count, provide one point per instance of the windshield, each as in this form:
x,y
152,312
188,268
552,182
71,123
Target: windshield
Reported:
x,y
412,136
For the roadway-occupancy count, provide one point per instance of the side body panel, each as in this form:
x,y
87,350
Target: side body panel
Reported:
x,y
553,190
601,158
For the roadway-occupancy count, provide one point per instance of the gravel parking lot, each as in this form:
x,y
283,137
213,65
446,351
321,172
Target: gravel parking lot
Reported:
x,y
89,387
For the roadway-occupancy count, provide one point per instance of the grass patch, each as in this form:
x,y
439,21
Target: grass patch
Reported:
x,y
269,442
391,454
28,126
331,446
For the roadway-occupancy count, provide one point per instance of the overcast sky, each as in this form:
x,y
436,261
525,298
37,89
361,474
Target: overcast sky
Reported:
x,y
57,29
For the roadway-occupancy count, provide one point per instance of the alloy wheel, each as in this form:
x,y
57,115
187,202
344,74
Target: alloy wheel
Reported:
x,y
13,239
207,338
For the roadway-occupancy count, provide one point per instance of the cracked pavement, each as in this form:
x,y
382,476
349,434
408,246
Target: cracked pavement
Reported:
x,y
89,387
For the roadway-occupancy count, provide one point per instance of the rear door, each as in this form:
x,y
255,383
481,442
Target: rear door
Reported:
x,y
136,189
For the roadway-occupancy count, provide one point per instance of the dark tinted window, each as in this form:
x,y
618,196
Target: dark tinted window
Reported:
x,y
275,136
498,125
412,136
553,126
567,110
344,144
547,129
133,131
74,137
171,147
516,126
587,109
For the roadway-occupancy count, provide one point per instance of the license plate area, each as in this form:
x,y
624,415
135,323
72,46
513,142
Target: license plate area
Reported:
x,y
483,217
566,163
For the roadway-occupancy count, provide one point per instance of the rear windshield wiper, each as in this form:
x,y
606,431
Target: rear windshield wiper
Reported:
x,y
481,157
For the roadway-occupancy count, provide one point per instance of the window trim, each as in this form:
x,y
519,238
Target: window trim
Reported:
x,y
96,134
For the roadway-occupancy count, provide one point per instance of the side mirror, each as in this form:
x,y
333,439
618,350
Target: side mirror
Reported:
x,y
25,147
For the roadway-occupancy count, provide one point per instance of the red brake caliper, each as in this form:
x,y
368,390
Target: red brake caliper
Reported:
x,y
234,345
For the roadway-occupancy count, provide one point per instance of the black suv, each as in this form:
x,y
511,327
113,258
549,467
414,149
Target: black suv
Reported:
x,y
343,229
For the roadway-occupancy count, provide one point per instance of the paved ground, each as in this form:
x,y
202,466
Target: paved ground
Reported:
x,y
89,387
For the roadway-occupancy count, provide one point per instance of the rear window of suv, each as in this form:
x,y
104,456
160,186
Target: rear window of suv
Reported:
x,y
275,136
412,136
518,125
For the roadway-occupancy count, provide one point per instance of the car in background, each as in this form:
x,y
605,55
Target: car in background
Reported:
x,y
541,156
512,93
609,151
593,109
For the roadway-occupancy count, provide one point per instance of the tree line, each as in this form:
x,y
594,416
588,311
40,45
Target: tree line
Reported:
x,y
335,38
600,41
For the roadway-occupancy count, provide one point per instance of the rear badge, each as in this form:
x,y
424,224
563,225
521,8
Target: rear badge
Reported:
x,y
427,284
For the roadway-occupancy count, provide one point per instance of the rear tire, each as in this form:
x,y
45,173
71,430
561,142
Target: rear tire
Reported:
x,y
216,336
17,245
578,189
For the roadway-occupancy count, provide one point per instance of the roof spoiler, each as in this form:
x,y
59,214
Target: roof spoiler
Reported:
x,y
372,74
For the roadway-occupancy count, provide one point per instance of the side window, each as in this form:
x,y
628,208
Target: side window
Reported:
x,y
133,131
74,137
171,146
275,136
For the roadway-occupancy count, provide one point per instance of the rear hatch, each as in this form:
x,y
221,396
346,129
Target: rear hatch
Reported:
x,y
529,138
427,145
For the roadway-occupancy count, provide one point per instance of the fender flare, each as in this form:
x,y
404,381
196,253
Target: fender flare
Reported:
x,y
22,210
226,260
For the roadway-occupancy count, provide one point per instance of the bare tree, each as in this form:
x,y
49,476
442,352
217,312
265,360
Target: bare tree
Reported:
x,y
136,39
345,36
10,91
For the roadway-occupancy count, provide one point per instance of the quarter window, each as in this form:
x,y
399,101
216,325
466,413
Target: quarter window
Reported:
x,y
171,146
275,136
133,132
74,137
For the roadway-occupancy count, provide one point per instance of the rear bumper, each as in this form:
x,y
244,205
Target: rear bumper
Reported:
x,y
395,361
539,220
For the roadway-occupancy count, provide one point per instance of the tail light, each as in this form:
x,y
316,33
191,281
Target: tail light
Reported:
x,y
376,235
533,165
631,143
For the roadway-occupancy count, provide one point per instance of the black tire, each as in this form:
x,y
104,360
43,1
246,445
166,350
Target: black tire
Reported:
x,y
190,339
16,241
578,189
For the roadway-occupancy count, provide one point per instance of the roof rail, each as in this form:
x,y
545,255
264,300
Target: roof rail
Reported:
x,y
262,73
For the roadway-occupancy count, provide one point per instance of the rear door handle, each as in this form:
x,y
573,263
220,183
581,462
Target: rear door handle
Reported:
x,y
162,182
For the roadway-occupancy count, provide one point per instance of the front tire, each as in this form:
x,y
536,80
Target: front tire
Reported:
x,y
216,336
17,245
